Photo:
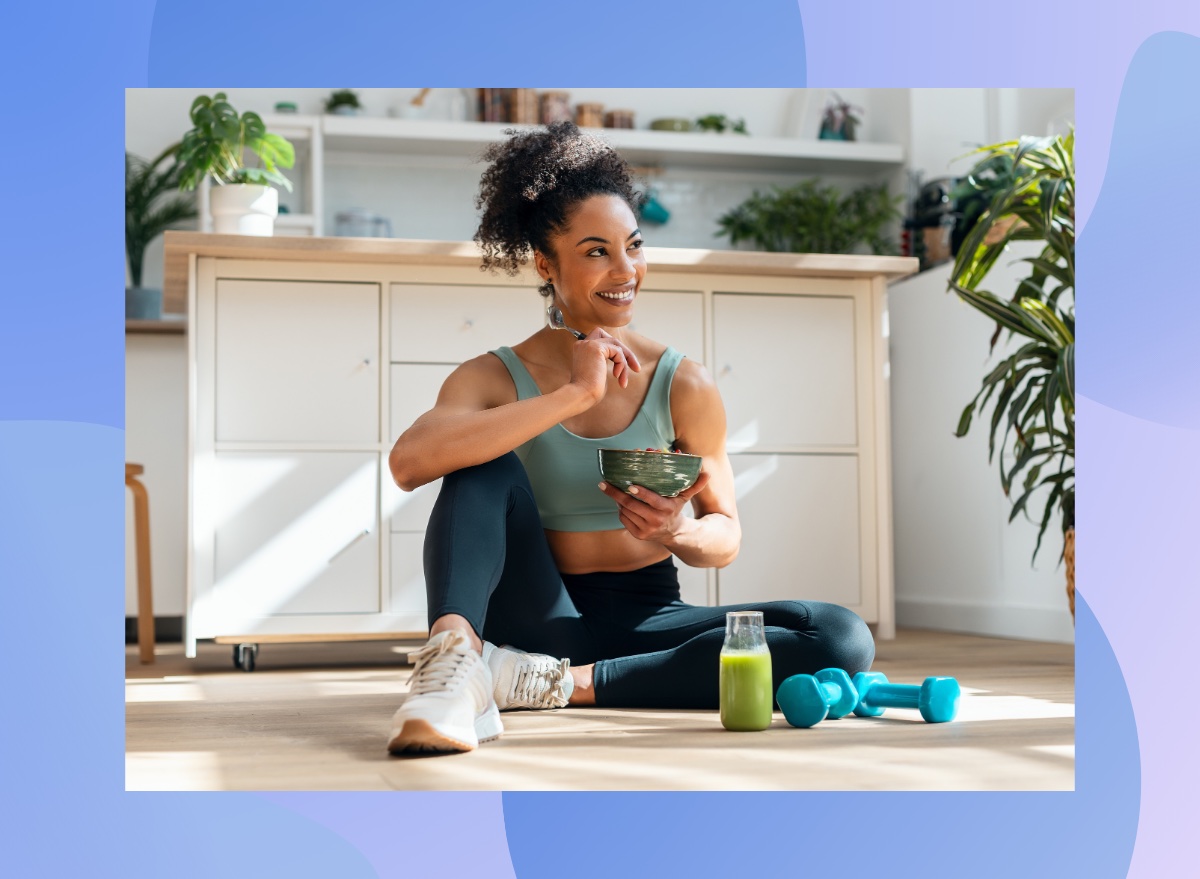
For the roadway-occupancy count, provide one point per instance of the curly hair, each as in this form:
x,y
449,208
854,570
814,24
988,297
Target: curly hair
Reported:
x,y
532,183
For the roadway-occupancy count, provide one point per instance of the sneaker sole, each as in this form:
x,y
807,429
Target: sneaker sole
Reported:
x,y
419,734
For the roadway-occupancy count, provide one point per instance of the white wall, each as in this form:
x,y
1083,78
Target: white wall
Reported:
x,y
434,197
155,437
958,564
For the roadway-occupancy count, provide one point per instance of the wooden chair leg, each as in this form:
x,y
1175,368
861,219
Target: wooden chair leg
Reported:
x,y
141,523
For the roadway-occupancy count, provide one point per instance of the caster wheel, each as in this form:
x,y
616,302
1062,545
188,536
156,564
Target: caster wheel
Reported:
x,y
244,656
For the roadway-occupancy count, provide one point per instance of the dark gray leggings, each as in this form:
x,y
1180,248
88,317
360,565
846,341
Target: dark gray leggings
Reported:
x,y
487,558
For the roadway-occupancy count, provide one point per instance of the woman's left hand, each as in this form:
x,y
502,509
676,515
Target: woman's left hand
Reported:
x,y
650,516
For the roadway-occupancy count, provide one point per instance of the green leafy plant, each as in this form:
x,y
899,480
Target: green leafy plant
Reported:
x,y
217,142
147,215
1035,386
812,217
720,122
342,98
974,193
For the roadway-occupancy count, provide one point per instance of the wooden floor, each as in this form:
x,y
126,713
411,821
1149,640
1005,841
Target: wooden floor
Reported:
x,y
315,717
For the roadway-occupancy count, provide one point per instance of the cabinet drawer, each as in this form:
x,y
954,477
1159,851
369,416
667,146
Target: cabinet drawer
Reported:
x,y
693,584
445,323
295,533
413,388
297,362
800,530
408,576
786,370
409,510
672,317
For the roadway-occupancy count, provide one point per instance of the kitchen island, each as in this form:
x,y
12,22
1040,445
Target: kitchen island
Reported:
x,y
306,357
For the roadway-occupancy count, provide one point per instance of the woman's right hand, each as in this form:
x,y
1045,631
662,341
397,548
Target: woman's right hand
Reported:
x,y
590,363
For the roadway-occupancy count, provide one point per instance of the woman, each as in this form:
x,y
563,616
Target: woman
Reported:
x,y
524,547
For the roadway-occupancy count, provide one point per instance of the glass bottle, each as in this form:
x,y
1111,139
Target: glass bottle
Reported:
x,y
747,695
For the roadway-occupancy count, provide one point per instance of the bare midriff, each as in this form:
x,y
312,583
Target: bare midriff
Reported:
x,y
582,552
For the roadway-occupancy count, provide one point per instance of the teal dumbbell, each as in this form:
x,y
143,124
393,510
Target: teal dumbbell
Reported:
x,y
936,698
806,700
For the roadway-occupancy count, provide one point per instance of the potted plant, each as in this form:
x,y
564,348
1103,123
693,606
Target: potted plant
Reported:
x,y
244,202
147,215
840,121
721,124
814,218
1035,386
343,102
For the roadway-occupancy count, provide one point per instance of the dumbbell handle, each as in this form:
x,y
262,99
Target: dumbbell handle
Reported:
x,y
892,695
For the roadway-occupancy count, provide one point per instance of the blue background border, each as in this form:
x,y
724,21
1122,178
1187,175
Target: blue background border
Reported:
x,y
62,443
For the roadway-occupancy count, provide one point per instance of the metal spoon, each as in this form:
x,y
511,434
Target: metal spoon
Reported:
x,y
556,322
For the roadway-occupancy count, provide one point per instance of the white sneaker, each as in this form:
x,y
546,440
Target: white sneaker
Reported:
x,y
449,705
526,680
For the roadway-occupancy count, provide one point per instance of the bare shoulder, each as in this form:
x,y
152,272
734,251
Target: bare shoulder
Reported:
x,y
696,407
483,381
693,384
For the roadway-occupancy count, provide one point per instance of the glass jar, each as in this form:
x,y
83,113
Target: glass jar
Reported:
x,y
523,106
589,115
747,694
618,119
556,107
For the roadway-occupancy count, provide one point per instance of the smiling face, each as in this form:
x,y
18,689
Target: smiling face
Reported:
x,y
597,264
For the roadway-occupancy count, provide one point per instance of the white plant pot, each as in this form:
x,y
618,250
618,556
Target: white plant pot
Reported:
x,y
244,209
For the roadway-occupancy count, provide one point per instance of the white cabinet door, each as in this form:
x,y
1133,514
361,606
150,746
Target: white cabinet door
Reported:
x,y
785,367
444,323
297,362
693,583
295,533
408,578
672,317
800,530
414,389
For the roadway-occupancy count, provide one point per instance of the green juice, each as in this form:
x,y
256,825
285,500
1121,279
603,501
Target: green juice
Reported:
x,y
746,692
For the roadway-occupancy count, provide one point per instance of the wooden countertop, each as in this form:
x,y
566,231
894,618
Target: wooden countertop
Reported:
x,y
178,245
176,324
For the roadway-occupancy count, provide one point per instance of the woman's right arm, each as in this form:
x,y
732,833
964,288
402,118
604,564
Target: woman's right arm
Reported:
x,y
475,419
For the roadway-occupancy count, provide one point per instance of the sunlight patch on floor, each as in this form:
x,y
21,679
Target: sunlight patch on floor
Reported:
x,y
1067,751
168,689
172,770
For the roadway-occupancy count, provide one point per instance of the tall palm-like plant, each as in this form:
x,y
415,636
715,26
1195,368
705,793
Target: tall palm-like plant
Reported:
x,y
146,214
1035,386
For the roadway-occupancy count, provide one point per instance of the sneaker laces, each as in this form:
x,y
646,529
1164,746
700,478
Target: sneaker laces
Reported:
x,y
438,666
538,684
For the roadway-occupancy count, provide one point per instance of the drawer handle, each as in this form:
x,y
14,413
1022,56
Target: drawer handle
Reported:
x,y
468,323
353,541
727,370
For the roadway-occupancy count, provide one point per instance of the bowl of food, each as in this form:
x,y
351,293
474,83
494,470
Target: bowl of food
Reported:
x,y
661,470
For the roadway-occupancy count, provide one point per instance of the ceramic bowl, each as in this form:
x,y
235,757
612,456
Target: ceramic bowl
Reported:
x,y
666,473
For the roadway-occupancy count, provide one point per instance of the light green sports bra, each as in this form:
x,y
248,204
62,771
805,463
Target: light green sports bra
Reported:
x,y
563,468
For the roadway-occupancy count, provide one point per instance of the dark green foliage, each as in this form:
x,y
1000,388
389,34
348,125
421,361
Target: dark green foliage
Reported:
x,y
1029,192
147,215
216,143
812,217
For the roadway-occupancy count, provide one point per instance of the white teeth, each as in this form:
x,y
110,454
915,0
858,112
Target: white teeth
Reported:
x,y
628,294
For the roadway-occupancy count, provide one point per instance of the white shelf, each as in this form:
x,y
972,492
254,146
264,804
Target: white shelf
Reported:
x,y
728,151
305,221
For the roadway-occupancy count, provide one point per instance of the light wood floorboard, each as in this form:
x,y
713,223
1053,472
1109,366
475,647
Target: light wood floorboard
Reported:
x,y
315,717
